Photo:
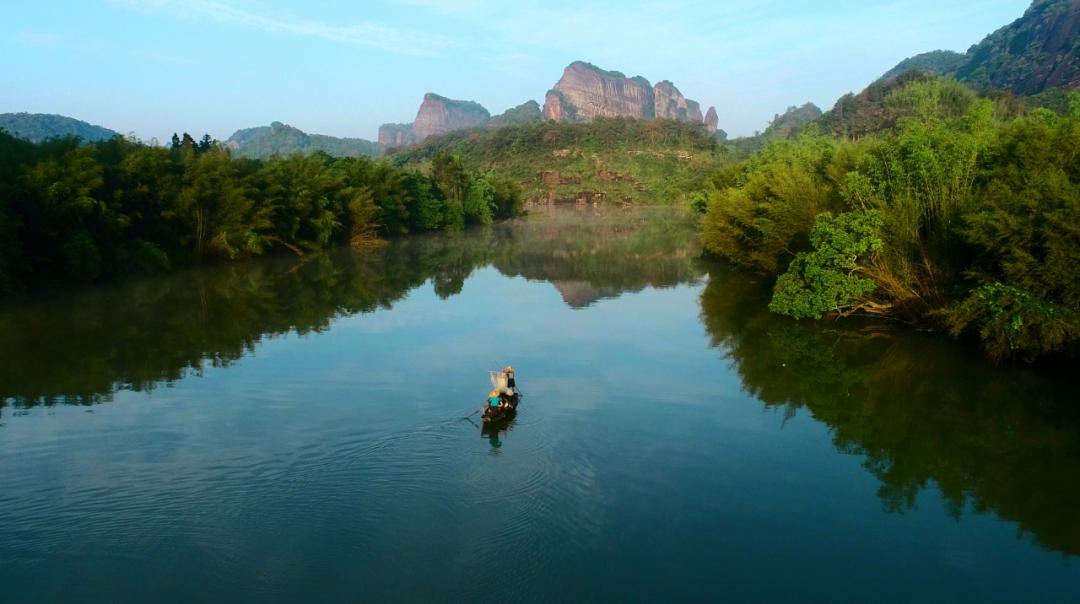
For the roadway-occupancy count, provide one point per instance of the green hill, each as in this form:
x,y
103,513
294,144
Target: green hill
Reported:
x,y
38,127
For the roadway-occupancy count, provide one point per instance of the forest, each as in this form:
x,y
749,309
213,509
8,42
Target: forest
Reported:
x,y
76,212
927,204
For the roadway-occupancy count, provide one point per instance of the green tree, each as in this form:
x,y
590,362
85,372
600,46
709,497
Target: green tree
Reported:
x,y
826,279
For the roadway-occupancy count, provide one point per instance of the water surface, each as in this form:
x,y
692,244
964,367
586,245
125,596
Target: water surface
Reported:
x,y
288,430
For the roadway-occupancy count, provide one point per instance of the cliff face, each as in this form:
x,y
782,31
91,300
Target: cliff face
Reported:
x,y
693,112
712,121
439,115
586,91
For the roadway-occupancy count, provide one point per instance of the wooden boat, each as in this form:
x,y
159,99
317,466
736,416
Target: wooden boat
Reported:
x,y
506,387
504,411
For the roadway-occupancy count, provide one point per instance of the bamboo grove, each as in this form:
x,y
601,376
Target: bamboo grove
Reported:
x,y
74,212
958,212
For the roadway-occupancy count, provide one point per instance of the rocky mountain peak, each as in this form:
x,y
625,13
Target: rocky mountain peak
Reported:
x,y
585,91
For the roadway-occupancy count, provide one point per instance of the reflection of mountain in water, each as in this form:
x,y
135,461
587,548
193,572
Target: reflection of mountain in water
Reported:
x,y
81,347
594,254
581,294
918,409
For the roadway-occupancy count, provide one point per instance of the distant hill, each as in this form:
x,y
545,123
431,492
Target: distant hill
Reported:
x,y
1039,51
792,120
783,125
37,127
528,112
282,139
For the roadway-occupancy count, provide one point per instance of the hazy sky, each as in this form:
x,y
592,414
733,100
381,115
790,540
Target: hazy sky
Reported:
x,y
153,67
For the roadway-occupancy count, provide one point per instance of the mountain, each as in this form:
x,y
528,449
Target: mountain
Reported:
x,y
282,139
1037,52
37,127
437,115
585,91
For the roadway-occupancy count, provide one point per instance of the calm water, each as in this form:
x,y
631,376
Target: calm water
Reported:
x,y
286,431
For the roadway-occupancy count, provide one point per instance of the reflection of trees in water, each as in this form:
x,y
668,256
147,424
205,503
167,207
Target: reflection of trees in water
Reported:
x,y
919,409
79,348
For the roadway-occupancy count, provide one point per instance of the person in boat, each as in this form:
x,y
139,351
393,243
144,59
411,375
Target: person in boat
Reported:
x,y
494,399
511,385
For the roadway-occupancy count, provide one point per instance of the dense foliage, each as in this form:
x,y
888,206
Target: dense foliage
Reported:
x,y
965,212
76,212
617,159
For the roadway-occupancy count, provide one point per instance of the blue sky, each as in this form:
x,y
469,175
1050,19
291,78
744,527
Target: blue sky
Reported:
x,y
153,67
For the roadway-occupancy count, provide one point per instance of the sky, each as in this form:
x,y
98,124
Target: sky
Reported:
x,y
154,67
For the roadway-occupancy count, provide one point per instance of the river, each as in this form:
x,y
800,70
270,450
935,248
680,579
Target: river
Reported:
x,y
303,430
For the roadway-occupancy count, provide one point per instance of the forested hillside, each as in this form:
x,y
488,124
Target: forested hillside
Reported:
x,y
608,159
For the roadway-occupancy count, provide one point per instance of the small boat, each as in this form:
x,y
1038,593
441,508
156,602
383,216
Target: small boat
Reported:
x,y
506,409
502,402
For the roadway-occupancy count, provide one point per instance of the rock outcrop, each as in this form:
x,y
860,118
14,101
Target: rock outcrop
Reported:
x,y
437,115
396,135
672,105
585,91
712,121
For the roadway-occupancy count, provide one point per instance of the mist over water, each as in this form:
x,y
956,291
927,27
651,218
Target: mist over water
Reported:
x,y
286,430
